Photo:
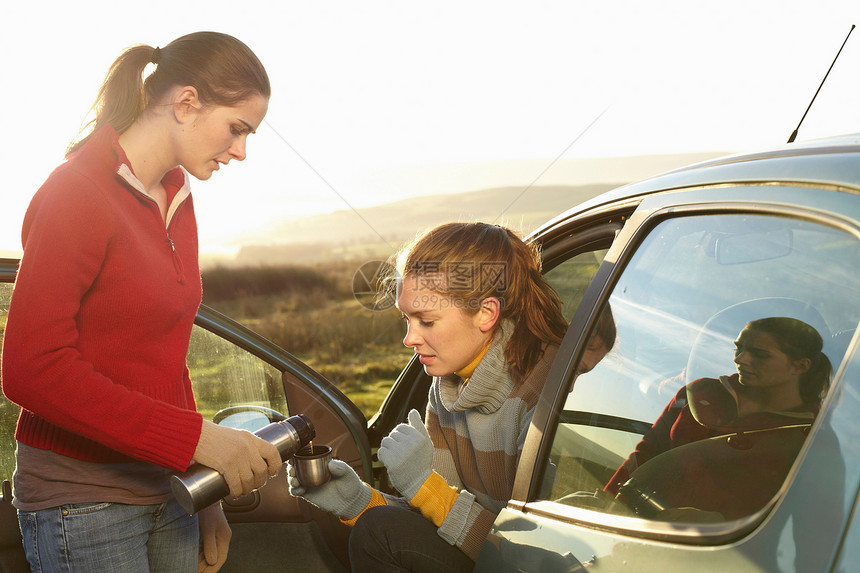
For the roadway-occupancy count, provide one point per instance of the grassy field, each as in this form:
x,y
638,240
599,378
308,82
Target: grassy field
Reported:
x,y
311,312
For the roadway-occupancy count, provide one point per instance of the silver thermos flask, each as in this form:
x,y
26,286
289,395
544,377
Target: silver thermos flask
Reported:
x,y
202,486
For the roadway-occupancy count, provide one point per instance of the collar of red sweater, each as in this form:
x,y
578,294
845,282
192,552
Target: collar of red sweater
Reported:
x,y
103,147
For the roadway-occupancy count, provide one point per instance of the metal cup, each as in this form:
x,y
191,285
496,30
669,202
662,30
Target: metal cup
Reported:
x,y
312,465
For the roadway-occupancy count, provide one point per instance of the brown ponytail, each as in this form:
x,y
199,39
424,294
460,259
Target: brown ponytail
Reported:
x,y
481,261
222,69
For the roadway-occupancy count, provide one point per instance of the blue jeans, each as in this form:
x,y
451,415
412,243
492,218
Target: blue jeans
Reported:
x,y
388,538
110,537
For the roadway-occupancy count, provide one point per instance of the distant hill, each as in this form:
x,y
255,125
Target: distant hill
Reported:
x,y
378,231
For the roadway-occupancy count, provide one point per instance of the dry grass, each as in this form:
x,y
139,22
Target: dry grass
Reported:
x,y
311,312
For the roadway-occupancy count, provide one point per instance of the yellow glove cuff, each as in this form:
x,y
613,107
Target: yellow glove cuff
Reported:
x,y
376,498
435,498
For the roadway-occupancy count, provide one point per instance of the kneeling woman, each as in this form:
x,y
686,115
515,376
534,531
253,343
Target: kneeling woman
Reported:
x,y
486,325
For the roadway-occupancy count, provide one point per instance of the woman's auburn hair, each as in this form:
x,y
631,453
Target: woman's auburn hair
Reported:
x,y
222,69
478,260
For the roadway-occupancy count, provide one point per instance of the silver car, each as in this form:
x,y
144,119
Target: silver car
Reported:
x,y
692,256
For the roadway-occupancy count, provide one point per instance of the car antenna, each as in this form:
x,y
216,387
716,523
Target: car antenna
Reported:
x,y
793,135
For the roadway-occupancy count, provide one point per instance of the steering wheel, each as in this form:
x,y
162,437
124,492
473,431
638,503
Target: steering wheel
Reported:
x,y
734,475
247,417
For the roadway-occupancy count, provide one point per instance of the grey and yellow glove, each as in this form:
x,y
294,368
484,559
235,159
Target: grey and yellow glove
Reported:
x,y
344,495
407,453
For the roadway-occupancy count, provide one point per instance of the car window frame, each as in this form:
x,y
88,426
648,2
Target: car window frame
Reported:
x,y
649,213
559,243
8,271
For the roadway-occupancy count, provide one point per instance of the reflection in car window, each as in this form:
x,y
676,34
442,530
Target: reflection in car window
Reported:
x,y
224,375
8,410
679,305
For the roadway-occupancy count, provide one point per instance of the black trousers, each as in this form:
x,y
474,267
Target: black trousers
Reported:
x,y
388,538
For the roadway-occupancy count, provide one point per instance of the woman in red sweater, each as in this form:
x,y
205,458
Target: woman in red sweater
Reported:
x,y
101,315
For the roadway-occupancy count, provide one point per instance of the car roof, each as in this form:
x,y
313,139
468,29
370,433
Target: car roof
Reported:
x,y
832,161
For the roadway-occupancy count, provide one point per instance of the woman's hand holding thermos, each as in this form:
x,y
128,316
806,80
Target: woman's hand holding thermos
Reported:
x,y
245,461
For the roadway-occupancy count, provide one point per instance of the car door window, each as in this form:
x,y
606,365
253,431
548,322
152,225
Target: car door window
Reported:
x,y
8,410
573,251
678,306
225,375
572,277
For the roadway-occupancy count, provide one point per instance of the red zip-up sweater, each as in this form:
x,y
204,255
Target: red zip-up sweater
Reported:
x,y
101,314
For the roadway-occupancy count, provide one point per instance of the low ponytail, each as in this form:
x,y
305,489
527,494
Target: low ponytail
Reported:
x,y
222,69
536,308
816,380
121,98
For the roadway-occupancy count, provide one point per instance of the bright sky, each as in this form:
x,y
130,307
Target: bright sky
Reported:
x,y
365,89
